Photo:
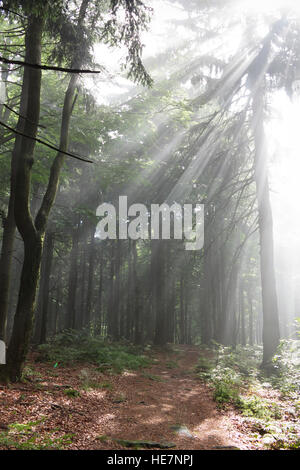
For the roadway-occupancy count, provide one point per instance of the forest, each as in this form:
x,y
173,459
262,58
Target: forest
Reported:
x,y
150,234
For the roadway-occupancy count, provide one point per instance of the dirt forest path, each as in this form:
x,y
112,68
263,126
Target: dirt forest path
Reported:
x,y
168,404
163,403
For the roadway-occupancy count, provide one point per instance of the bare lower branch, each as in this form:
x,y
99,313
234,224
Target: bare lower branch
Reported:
x,y
46,67
46,144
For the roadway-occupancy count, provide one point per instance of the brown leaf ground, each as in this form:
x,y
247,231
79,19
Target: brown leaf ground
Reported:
x,y
136,405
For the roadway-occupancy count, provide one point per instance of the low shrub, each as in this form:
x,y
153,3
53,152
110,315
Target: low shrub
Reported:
x,y
70,347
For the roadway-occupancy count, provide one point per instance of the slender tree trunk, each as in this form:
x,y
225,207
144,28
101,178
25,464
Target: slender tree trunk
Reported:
x,y
99,314
73,276
56,319
206,313
181,322
110,299
170,296
242,315
90,288
159,338
80,314
116,295
231,326
129,293
250,319
136,290
49,246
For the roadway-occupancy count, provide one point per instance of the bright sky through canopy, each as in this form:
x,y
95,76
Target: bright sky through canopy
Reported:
x,y
283,137
284,142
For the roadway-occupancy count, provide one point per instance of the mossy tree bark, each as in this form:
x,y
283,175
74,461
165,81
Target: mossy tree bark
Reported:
x,y
33,232
9,224
33,240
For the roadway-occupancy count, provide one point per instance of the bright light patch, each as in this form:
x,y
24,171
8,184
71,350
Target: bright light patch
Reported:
x,y
268,6
284,143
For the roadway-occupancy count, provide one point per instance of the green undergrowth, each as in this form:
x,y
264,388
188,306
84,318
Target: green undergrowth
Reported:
x,y
75,347
287,362
27,436
70,392
270,404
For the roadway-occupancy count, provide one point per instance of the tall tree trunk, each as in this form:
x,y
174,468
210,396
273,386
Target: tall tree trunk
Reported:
x,y
33,232
9,224
33,241
269,294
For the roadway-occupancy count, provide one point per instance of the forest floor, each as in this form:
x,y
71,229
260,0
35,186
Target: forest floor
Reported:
x,y
79,408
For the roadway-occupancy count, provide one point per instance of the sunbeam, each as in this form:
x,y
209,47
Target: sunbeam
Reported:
x,y
150,256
